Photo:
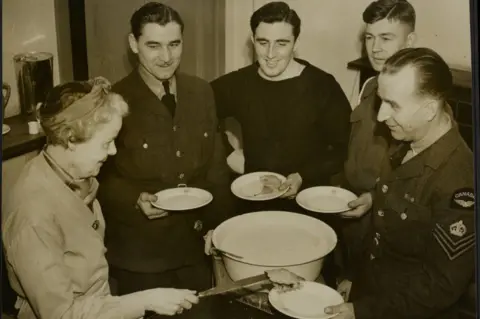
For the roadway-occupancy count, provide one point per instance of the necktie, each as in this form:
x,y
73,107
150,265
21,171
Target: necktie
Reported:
x,y
169,99
397,157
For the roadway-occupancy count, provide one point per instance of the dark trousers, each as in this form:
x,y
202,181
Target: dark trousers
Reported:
x,y
196,277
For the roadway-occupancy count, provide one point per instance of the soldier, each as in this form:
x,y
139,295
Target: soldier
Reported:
x,y
390,26
169,138
416,256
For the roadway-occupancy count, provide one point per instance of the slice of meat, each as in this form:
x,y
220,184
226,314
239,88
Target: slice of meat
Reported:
x,y
271,181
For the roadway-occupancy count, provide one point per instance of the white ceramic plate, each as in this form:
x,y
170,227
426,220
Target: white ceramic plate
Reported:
x,y
307,302
182,198
325,199
249,185
5,129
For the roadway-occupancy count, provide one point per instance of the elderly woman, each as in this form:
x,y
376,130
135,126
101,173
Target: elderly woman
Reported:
x,y
53,226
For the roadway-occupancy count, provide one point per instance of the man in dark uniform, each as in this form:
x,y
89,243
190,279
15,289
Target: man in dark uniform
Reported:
x,y
169,138
416,256
390,26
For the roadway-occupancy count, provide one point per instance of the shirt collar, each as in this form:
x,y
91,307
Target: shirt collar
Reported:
x,y
73,184
155,85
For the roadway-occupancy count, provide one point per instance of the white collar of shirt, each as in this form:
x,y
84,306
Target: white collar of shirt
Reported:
x,y
155,85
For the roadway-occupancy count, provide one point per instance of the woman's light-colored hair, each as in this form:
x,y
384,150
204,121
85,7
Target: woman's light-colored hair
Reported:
x,y
74,111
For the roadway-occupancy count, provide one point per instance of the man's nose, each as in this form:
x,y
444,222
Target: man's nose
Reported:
x,y
271,51
383,112
377,45
166,55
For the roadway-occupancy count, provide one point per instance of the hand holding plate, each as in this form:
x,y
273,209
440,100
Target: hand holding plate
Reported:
x,y
359,206
144,203
293,183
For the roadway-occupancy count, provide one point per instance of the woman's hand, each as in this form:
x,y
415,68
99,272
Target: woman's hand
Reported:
x,y
169,301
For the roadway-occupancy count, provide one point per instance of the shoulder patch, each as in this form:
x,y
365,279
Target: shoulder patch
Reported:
x,y
455,239
463,198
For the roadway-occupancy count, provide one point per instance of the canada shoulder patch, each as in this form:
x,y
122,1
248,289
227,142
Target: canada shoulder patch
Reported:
x,y
463,198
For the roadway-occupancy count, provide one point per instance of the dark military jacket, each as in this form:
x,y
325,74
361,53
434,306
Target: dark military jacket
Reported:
x,y
417,244
155,152
369,141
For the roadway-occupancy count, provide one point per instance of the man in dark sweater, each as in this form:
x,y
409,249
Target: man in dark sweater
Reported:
x,y
294,116
170,137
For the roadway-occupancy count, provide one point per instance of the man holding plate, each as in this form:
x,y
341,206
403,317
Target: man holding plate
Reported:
x,y
169,138
416,256
294,116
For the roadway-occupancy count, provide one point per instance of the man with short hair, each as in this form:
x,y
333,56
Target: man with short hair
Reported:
x,y
416,256
294,116
390,26
169,138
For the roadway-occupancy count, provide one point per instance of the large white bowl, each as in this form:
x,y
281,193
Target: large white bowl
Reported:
x,y
296,242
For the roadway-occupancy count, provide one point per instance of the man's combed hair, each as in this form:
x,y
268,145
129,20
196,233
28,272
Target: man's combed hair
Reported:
x,y
276,11
434,77
153,12
392,10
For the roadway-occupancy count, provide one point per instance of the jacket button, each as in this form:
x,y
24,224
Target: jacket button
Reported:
x,y
372,257
181,176
198,226
376,241
403,216
205,134
179,154
384,189
174,128
95,224
380,213
145,145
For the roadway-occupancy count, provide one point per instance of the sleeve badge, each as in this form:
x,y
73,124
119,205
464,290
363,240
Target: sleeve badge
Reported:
x,y
454,239
463,199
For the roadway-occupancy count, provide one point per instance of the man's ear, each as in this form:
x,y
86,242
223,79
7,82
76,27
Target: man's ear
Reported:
x,y
411,39
133,43
431,110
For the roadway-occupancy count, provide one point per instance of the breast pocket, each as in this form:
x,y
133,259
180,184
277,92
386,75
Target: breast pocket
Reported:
x,y
407,227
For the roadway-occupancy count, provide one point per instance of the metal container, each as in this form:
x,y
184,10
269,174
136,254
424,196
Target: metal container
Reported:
x,y
34,73
308,267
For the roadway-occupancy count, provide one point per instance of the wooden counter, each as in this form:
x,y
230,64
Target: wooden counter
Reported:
x,y
18,141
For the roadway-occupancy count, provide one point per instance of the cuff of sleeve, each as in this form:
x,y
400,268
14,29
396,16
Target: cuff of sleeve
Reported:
x,y
132,305
363,308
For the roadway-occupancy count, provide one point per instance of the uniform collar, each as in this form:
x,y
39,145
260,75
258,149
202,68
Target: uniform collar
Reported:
x,y
433,156
419,146
369,90
155,85
440,151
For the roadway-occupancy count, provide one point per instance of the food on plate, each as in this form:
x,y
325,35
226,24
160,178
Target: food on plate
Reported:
x,y
284,280
270,183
